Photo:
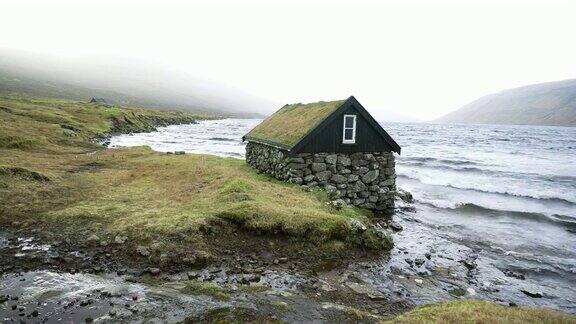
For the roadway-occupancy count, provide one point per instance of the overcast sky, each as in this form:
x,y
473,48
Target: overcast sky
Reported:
x,y
417,58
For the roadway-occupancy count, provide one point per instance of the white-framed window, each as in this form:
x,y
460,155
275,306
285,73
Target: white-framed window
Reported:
x,y
349,131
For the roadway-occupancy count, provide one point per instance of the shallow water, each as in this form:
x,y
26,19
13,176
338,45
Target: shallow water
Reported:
x,y
504,196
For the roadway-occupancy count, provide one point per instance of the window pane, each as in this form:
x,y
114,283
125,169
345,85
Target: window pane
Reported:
x,y
348,134
349,122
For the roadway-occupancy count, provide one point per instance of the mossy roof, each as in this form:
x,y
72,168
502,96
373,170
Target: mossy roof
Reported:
x,y
286,127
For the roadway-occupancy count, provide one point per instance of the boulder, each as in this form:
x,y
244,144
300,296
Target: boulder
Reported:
x,y
344,160
323,175
309,178
318,167
370,176
363,170
331,159
353,178
338,178
357,186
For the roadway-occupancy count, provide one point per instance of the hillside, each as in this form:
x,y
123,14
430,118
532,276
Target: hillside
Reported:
x,y
551,103
121,81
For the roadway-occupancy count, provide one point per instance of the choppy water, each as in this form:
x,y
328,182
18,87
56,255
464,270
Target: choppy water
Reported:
x,y
504,196
219,137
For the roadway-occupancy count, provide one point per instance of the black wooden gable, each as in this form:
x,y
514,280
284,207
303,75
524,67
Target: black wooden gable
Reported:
x,y
328,135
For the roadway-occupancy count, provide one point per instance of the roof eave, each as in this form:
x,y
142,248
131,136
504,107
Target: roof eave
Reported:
x,y
248,138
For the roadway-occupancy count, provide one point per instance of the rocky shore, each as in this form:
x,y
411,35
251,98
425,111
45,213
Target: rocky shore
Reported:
x,y
51,276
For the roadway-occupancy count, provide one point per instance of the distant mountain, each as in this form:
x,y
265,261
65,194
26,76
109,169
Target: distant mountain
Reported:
x,y
551,103
122,81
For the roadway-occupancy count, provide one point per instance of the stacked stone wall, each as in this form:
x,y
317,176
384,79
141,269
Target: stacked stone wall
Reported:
x,y
366,180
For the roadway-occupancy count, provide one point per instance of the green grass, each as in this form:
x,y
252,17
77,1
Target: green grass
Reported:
x,y
177,200
195,287
476,311
292,122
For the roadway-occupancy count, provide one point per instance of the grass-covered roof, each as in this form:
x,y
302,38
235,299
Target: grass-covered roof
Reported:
x,y
291,123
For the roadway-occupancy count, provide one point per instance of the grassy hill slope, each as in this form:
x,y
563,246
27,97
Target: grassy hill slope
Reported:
x,y
552,103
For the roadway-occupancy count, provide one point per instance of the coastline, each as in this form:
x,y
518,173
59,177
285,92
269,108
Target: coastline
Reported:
x,y
258,273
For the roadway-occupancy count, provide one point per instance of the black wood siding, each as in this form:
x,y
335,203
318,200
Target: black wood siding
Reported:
x,y
329,139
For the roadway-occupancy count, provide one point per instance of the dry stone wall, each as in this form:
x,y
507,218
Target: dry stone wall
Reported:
x,y
365,180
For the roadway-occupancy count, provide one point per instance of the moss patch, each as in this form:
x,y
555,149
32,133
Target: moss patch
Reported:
x,y
206,288
476,311
291,123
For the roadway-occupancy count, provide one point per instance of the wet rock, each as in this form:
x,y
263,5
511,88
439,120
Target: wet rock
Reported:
x,y
154,271
368,291
468,263
419,262
395,226
512,274
404,195
3,299
35,313
458,292
532,293
428,255
89,320
409,261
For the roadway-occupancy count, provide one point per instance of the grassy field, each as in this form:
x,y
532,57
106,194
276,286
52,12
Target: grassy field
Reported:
x,y
52,176
476,311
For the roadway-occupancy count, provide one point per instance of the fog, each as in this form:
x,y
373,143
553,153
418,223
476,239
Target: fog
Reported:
x,y
415,59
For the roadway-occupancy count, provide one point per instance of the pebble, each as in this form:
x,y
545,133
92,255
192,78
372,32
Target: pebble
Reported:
x,y
396,226
419,261
509,273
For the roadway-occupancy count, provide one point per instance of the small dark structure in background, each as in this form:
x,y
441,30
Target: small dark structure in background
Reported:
x,y
99,100
336,145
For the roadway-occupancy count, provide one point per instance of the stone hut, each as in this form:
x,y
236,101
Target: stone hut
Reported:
x,y
336,145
